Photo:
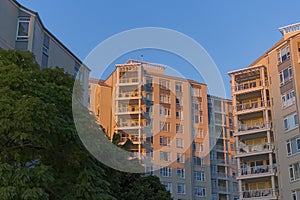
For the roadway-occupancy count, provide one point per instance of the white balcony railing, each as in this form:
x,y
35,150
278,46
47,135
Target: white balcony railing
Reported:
x,y
244,149
252,105
266,192
253,126
128,94
263,169
248,85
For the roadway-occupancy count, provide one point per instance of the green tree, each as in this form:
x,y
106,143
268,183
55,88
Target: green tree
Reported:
x,y
41,155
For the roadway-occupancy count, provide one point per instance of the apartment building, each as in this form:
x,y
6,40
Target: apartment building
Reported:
x,y
223,149
22,29
266,109
164,119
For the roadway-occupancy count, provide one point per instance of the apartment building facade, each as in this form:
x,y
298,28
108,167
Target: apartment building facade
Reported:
x,y
22,29
266,100
223,149
166,120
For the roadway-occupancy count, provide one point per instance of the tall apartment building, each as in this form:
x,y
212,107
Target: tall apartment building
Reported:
x,y
22,29
166,120
223,149
266,101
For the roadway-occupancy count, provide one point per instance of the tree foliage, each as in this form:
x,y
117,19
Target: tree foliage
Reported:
x,y
41,156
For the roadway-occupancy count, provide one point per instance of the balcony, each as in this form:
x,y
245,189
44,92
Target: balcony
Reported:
x,y
266,193
128,125
253,127
252,106
256,149
222,189
220,148
249,86
222,175
128,81
257,171
129,95
128,110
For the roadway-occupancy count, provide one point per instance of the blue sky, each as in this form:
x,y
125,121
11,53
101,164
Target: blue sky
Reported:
x,y
233,32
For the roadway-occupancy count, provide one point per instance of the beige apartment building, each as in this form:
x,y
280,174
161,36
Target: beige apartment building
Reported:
x,y
265,97
166,120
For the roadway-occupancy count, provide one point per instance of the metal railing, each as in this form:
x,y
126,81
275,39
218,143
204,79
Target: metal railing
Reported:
x,y
222,175
266,192
248,85
253,126
243,148
252,105
262,169
129,80
128,94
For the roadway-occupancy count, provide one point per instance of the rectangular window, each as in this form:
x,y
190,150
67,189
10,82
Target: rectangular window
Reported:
x,y
76,69
45,51
165,126
178,87
179,143
168,186
164,112
164,98
181,188
164,84
286,75
198,161
283,54
178,114
294,171
288,99
180,157
289,149
164,141
23,29
165,171
196,92
290,122
179,128
165,156
180,173
293,146
199,191
199,176
196,119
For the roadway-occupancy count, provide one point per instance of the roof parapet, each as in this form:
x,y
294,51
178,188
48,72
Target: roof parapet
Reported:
x,y
290,28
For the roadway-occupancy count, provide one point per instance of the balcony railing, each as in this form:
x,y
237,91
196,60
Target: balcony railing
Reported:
x,y
128,109
252,105
243,148
128,124
263,169
248,85
128,94
129,80
222,175
253,126
222,188
266,192
219,147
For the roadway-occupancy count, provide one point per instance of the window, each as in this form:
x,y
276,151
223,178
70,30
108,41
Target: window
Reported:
x,y
199,191
179,143
180,157
198,147
179,128
76,69
164,141
46,51
288,98
164,98
196,119
165,126
198,133
196,106
196,92
294,171
164,84
178,114
168,186
165,156
198,161
23,29
165,172
290,122
213,168
178,87
178,101
180,173
283,54
286,75
199,176
181,188
293,146
296,194
164,112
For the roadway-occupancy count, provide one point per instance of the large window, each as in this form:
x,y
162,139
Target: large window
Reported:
x,y
199,191
286,75
164,84
179,143
164,141
181,188
168,186
295,171
165,156
181,173
179,128
288,98
198,161
283,54
23,29
199,176
165,171
293,146
290,122
164,112
165,126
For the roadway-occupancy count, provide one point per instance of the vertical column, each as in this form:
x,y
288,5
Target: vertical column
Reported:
x,y
139,70
117,92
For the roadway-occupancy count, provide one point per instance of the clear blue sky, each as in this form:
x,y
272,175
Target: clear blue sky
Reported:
x,y
233,32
